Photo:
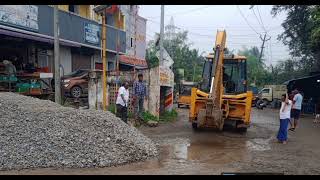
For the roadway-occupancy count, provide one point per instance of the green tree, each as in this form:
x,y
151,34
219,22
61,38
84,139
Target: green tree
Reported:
x,y
183,55
301,34
257,74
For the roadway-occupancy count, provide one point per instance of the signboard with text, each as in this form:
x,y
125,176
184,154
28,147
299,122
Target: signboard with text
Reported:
x,y
166,76
91,33
24,16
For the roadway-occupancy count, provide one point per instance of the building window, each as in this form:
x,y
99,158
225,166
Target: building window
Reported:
x,y
131,43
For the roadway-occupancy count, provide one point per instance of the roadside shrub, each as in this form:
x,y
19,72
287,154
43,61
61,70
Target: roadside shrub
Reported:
x,y
169,116
147,116
112,108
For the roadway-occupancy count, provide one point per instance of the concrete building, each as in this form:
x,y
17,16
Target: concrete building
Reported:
x,y
135,27
26,34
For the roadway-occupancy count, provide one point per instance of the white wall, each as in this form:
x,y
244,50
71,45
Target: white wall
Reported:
x,y
138,34
141,38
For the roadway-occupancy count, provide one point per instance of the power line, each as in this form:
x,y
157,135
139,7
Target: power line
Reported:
x,y
261,18
191,32
204,35
247,20
261,23
228,42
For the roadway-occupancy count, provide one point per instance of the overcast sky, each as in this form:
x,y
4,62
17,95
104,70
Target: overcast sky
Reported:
x,y
202,22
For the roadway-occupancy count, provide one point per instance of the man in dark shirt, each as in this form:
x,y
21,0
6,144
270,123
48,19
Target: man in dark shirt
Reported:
x,y
139,94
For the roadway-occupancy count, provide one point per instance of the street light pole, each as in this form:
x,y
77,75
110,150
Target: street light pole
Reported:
x,y
57,79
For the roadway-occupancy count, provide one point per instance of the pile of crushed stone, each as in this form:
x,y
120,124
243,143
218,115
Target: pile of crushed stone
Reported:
x,y
38,133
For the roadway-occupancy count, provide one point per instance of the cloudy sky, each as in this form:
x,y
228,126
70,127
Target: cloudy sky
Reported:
x,y
243,26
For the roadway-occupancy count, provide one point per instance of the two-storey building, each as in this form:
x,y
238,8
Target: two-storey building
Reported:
x,y
26,37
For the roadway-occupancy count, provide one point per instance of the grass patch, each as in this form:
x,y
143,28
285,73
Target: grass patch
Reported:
x,y
112,108
130,115
147,116
169,116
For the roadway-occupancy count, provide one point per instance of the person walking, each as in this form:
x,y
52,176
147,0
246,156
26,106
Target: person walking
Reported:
x,y
140,94
285,109
122,102
296,109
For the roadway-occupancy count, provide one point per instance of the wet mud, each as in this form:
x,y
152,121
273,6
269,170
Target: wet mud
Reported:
x,y
184,151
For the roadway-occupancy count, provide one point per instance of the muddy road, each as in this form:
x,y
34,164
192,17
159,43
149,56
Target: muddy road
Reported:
x,y
183,151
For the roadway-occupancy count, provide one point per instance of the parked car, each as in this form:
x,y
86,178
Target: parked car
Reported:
x,y
75,84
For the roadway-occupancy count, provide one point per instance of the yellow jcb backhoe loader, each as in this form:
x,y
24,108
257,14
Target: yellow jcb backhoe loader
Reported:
x,y
224,99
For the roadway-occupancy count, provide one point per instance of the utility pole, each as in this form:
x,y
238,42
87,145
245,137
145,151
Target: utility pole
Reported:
x,y
161,35
101,9
104,62
57,88
262,47
118,46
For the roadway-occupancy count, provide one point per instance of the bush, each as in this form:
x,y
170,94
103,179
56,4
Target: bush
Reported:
x,y
169,115
130,115
147,116
112,108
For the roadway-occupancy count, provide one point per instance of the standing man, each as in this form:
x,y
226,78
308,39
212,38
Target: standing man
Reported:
x,y
284,119
140,94
122,102
296,108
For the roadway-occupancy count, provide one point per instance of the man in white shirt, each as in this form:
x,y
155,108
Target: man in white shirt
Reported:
x,y
296,108
122,102
285,109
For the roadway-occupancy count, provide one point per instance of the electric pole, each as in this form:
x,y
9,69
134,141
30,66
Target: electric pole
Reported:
x,y
161,34
104,62
262,47
118,46
57,88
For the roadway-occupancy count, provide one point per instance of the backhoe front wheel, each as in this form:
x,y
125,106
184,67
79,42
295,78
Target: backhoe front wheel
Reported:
x,y
240,129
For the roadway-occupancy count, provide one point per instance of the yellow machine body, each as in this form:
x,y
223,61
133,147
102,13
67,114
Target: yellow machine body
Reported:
x,y
185,93
213,109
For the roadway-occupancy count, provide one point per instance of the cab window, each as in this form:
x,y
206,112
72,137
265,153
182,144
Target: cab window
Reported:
x,y
265,90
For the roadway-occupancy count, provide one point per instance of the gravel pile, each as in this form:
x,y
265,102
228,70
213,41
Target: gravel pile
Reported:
x,y
38,133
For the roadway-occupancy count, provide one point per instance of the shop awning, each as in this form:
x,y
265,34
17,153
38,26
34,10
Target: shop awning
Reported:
x,y
35,38
133,61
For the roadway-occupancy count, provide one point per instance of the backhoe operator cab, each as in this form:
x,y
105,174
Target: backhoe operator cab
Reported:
x,y
234,74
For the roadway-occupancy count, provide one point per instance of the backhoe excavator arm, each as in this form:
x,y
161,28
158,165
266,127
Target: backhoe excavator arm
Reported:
x,y
217,91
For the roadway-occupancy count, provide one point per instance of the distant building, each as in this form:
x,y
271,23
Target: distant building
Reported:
x,y
135,27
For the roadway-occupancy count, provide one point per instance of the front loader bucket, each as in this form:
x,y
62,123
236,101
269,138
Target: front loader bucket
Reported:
x,y
211,119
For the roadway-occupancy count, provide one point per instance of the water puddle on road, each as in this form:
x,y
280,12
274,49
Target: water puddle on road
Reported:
x,y
259,144
205,150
